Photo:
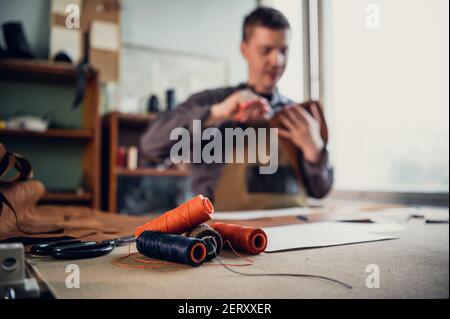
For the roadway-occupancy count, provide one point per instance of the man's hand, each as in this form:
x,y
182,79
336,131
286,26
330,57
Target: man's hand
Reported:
x,y
242,106
302,129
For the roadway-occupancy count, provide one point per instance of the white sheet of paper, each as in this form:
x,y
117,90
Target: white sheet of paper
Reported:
x,y
436,214
256,214
379,228
59,6
323,234
402,214
399,215
65,39
105,36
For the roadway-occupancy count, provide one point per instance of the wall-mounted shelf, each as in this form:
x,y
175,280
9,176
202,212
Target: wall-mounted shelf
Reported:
x,y
55,75
133,119
152,172
82,134
67,197
56,72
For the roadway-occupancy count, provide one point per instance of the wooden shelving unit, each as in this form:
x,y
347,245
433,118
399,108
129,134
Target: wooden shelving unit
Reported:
x,y
81,134
67,197
39,70
54,73
121,129
152,172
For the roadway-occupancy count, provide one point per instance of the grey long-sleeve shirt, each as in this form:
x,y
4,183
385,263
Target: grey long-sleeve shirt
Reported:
x,y
156,143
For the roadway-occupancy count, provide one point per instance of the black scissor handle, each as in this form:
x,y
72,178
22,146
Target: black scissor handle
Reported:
x,y
46,249
83,250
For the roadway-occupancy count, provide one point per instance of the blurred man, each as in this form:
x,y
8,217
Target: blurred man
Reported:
x,y
304,169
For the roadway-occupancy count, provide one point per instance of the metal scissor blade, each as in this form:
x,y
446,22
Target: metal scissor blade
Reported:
x,y
121,241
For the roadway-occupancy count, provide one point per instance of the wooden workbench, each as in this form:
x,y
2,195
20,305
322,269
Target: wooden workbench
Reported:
x,y
414,266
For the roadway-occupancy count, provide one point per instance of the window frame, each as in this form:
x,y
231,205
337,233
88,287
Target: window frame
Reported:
x,y
313,80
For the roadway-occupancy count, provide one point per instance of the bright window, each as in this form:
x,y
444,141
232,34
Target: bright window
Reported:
x,y
385,76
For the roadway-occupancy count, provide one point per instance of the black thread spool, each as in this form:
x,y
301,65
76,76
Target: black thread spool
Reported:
x,y
153,104
175,248
212,239
170,99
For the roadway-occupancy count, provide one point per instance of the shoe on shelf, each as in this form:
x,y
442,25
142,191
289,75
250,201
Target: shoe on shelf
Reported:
x,y
16,42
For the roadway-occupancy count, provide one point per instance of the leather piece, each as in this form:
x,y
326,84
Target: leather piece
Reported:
x,y
9,161
22,219
289,147
55,221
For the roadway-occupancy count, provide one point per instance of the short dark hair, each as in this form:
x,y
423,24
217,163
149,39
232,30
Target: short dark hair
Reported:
x,y
264,17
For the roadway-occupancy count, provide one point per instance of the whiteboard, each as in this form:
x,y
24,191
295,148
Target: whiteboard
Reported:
x,y
146,71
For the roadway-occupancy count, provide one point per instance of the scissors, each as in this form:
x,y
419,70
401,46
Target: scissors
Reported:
x,y
77,249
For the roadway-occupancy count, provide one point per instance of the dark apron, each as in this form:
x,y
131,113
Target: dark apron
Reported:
x,y
241,187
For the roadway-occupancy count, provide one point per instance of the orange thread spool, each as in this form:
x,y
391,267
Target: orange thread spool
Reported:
x,y
181,219
249,239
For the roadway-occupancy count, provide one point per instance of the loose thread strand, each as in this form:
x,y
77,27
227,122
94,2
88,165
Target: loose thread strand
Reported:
x,y
279,274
